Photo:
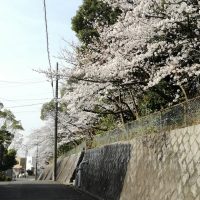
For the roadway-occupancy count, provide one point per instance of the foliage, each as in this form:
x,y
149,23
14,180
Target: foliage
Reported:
x,y
2,176
6,137
8,128
42,139
8,121
48,109
90,11
106,123
8,160
64,148
158,97
146,60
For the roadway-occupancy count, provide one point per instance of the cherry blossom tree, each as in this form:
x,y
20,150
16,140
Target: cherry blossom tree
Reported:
x,y
152,41
172,39
151,52
42,140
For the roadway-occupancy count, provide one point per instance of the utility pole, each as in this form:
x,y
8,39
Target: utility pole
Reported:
x,y
26,155
56,126
36,163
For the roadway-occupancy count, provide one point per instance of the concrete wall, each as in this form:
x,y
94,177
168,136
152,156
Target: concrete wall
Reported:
x,y
160,166
47,174
104,174
65,169
165,166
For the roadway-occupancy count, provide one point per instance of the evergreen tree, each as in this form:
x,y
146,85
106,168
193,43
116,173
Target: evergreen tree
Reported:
x,y
88,13
8,126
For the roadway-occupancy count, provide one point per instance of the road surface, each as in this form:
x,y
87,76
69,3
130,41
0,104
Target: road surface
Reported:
x,y
39,191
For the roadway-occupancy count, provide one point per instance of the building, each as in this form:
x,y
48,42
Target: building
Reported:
x,y
20,167
30,163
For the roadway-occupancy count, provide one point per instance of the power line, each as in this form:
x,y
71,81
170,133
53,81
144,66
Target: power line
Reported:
x,y
8,84
18,85
22,106
47,43
14,100
21,82
27,111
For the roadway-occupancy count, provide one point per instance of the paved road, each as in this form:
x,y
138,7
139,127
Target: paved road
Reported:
x,y
40,191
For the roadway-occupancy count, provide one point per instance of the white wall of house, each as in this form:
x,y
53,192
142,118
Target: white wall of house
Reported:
x,y
30,163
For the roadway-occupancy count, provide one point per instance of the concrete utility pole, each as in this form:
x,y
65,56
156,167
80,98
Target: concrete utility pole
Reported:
x,y
36,163
26,155
56,126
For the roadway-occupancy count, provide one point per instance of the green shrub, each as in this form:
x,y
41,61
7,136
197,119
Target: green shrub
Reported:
x,y
2,176
8,179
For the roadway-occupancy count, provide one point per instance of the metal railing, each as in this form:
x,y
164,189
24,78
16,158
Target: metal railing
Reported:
x,y
75,150
178,116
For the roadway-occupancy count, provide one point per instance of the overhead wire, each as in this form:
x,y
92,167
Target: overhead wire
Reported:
x,y
28,111
19,86
21,82
47,44
15,100
10,84
26,105
22,106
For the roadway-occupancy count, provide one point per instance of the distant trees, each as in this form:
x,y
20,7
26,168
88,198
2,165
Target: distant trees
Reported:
x,y
41,140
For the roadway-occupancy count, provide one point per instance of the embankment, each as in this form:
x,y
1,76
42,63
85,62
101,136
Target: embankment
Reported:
x,y
160,166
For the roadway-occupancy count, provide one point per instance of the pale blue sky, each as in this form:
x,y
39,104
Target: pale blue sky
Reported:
x,y
23,48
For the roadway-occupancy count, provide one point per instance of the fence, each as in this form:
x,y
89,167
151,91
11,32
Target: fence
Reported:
x,y
178,116
75,150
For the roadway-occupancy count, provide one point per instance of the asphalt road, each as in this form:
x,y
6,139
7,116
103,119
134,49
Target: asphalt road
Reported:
x,y
40,191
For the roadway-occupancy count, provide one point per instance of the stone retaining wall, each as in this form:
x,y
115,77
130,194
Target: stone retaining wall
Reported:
x,y
105,171
160,166
65,169
164,167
